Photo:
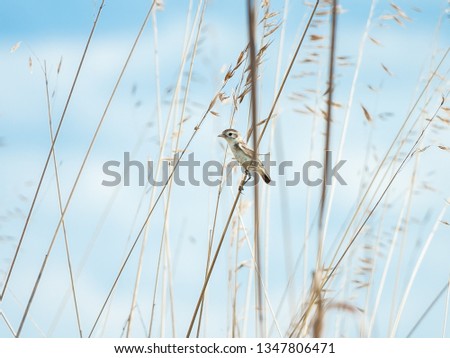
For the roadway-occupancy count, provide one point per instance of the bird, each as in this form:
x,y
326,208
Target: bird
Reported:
x,y
244,155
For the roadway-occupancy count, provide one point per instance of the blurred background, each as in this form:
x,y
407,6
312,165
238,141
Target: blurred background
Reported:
x,y
130,261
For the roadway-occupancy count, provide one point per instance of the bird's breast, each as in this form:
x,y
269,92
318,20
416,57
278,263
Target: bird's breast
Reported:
x,y
239,155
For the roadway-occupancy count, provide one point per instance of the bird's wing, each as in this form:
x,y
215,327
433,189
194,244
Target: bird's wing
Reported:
x,y
246,149
250,163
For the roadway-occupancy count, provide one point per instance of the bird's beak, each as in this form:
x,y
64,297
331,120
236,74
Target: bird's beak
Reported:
x,y
221,135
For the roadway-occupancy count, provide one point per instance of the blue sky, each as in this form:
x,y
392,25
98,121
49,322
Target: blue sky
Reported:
x,y
49,31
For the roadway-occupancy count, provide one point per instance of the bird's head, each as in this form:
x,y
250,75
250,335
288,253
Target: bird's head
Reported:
x,y
230,135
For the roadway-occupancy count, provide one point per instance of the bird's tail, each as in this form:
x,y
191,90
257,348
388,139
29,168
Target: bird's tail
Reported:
x,y
262,171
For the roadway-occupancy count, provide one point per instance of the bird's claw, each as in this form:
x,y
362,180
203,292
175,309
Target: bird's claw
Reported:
x,y
248,176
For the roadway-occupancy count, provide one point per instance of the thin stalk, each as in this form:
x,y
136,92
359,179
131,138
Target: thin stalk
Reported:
x,y
162,146
333,269
416,268
257,271
44,170
263,198
98,228
428,309
146,221
447,300
157,72
375,258
387,266
349,106
232,269
101,222
198,19
307,232
158,267
168,259
58,190
318,322
285,77
407,157
208,259
213,262
369,215
380,166
247,303
234,320
286,225
83,164
404,227
254,115
273,107
219,194
162,327
162,141
8,324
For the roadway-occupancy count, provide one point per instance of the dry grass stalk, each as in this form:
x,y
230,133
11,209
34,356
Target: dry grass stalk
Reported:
x,y
44,170
254,63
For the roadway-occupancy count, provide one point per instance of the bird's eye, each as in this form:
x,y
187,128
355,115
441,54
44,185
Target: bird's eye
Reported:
x,y
229,134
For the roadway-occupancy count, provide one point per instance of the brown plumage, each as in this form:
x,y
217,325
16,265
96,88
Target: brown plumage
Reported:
x,y
243,154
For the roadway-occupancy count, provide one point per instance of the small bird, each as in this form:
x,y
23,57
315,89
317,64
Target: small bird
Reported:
x,y
244,155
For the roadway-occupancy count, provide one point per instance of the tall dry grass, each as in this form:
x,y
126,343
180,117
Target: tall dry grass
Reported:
x,y
325,262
